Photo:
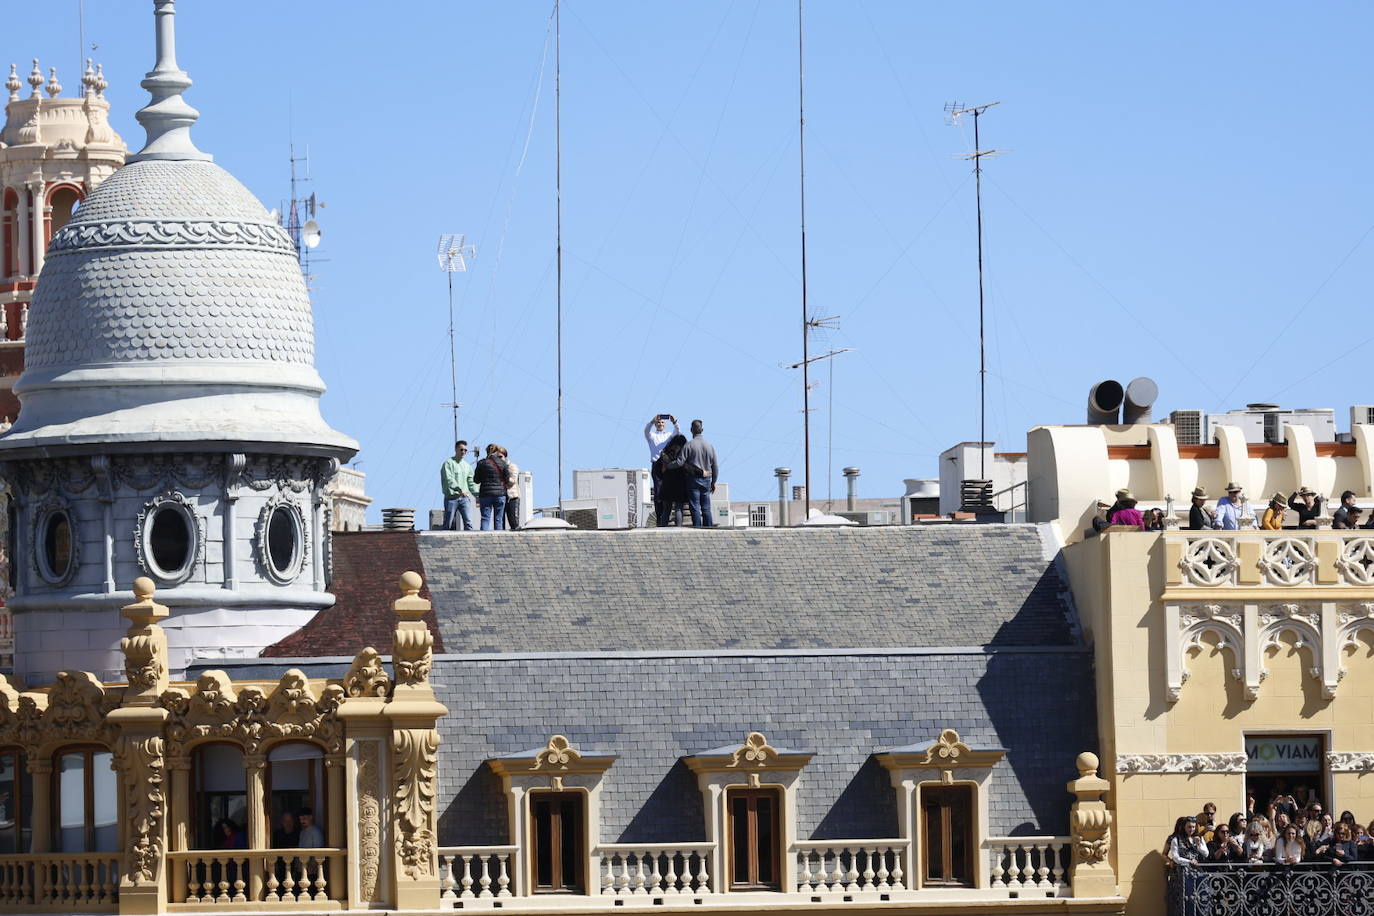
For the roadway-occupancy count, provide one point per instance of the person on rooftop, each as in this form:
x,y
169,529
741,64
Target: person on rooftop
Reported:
x,y
1273,513
1128,514
1231,507
702,474
1121,494
460,490
657,434
1200,518
1308,505
492,476
1341,517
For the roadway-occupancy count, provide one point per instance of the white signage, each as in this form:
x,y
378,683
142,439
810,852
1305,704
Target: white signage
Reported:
x,y
1283,754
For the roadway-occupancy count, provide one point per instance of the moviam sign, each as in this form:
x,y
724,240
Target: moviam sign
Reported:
x,y
1283,755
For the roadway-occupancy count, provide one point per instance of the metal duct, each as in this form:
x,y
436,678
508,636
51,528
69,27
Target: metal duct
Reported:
x,y
1140,397
1104,403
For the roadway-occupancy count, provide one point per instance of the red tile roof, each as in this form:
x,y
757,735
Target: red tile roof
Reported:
x,y
367,567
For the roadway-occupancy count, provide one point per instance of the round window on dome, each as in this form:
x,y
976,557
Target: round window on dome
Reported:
x,y
169,541
284,542
56,549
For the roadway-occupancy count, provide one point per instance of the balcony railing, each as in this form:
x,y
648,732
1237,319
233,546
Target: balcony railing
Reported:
x,y
656,871
1209,559
1029,865
851,866
70,882
1272,890
252,877
475,872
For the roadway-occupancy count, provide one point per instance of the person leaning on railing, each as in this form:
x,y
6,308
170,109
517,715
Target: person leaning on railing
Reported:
x,y
1184,846
1290,849
1272,520
1225,847
1341,849
1255,847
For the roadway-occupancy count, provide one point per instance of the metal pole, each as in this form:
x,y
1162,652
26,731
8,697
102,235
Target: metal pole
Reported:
x,y
806,330
452,357
982,357
558,217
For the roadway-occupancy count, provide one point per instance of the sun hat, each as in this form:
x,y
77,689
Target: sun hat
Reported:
x,y
1233,487
1124,493
1199,493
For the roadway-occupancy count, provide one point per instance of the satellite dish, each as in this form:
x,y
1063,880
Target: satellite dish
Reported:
x,y
310,234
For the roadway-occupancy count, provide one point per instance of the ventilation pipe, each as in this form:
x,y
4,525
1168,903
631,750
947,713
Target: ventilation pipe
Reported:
x,y
1140,397
1104,403
782,474
851,477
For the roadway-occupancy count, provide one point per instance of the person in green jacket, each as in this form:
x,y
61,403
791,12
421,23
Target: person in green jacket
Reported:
x,y
455,478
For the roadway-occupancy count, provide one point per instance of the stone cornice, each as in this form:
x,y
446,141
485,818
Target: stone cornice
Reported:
x,y
1139,764
1350,761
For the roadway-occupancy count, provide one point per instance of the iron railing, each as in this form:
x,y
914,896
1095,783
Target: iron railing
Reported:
x,y
1314,889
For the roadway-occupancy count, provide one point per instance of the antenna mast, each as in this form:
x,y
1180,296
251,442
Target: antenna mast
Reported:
x,y
304,235
453,259
558,218
954,110
805,363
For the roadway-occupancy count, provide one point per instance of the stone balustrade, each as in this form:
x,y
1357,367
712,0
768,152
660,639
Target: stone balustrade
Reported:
x,y
70,882
851,866
655,871
1029,865
252,877
1269,559
474,872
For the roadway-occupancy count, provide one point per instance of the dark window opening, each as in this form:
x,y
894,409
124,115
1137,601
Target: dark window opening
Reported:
x,y
947,836
57,544
221,797
169,540
295,782
16,801
557,833
85,801
754,833
283,544
64,204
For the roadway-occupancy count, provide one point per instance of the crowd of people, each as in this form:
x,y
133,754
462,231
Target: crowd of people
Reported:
x,y
684,472
492,485
1290,830
1226,515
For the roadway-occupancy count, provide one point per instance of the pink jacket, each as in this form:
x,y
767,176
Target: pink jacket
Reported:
x,y
1130,517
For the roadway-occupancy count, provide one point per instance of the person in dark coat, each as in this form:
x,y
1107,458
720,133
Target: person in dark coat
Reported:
x,y
1200,518
670,470
1308,505
492,475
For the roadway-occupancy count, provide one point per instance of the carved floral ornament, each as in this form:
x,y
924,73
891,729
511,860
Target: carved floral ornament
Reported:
x,y
556,759
1136,764
1286,561
754,754
1261,631
71,711
947,753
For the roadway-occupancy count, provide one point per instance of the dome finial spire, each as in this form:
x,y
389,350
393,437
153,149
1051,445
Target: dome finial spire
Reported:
x,y
167,118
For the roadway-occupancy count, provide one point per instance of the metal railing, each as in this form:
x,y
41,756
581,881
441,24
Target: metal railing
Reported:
x,y
1310,889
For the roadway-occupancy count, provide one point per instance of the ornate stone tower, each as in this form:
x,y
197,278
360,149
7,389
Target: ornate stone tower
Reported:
x,y
171,424
53,153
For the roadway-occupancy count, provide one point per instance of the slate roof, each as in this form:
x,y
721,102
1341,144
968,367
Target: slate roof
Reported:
x,y
653,708
966,585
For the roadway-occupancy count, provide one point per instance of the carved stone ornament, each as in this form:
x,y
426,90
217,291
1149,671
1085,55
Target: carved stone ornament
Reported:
x,y
48,511
72,711
369,818
754,752
412,644
416,762
142,766
1223,622
1350,761
174,501
214,709
367,676
1288,561
947,749
1209,561
1133,764
557,756
262,546
1356,561
152,234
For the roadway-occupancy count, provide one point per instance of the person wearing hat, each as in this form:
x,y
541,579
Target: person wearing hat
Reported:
x,y
1122,496
1308,505
1200,518
1231,507
1273,515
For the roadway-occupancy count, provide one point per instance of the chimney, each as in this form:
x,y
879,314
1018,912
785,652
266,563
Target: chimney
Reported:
x,y
782,474
851,477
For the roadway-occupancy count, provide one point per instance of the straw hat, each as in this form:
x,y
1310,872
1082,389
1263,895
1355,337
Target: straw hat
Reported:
x,y
1277,499
1199,493
1233,487
1124,493
1307,491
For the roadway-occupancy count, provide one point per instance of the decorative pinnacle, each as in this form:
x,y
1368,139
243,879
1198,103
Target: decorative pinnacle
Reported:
x,y
100,82
88,78
167,118
13,84
36,80
54,87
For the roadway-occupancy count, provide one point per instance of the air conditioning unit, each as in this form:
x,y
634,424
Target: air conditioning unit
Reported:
x,y
1187,426
1362,415
876,517
629,487
720,506
1321,421
760,515
592,514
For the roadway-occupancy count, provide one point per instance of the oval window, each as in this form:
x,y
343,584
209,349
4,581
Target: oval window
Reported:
x,y
283,541
169,541
56,545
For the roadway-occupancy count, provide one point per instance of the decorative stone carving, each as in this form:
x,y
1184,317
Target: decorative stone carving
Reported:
x,y
1288,561
141,764
369,819
72,711
1209,561
1090,823
1224,622
754,752
145,646
367,676
1132,764
1356,561
174,501
412,644
1350,761
247,717
300,533
155,234
559,754
51,506
416,757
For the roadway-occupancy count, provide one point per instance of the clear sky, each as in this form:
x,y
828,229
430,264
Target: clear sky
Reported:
x,y
1185,195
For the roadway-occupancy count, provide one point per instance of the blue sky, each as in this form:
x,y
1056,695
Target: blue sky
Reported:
x,y
1185,195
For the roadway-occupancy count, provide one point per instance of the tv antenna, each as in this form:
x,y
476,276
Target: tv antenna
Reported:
x,y
453,256
953,112
305,236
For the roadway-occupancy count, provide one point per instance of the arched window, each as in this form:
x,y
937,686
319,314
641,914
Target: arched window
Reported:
x,y
16,801
85,800
296,784
63,203
220,802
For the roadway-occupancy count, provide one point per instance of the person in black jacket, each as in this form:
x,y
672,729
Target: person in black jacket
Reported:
x,y
1308,505
492,475
670,470
1200,518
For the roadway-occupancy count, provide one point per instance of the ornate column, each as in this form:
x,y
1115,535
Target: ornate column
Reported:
x,y
23,232
37,223
256,827
178,827
233,468
1090,822
139,755
368,735
412,712
40,768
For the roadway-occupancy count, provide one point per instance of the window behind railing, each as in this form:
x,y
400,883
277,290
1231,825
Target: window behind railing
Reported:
x,y
85,798
16,802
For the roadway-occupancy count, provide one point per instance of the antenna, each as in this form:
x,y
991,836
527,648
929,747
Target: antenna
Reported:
x,y
453,257
558,219
805,363
300,224
953,111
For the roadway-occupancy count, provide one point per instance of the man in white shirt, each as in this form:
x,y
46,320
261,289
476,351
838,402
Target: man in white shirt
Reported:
x,y
1230,508
656,433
